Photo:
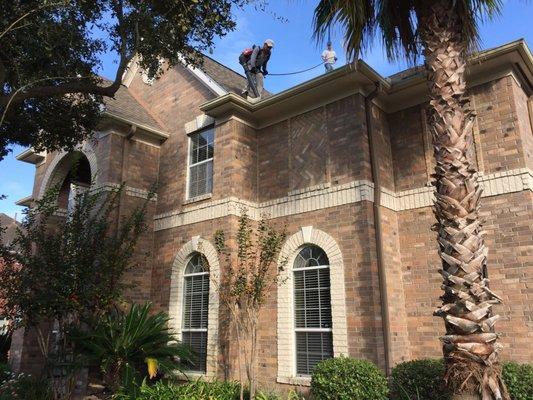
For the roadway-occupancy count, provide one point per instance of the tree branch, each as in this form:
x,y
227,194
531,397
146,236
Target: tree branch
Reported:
x,y
12,25
80,85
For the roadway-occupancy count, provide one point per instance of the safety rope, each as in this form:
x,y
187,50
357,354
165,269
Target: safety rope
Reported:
x,y
297,72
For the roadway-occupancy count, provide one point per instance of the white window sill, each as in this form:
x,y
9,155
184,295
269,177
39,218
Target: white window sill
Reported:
x,y
196,199
295,380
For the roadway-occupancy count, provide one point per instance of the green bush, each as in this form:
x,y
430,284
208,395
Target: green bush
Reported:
x,y
198,390
292,395
519,380
348,379
420,380
5,373
25,387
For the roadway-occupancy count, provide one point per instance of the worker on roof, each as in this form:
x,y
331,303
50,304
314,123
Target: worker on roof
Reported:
x,y
254,62
329,57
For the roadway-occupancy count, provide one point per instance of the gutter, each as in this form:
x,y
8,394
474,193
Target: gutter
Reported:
x,y
158,133
376,178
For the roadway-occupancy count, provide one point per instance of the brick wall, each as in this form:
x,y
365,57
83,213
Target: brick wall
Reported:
x,y
504,144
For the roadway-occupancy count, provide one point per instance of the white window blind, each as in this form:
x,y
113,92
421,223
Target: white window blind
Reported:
x,y
75,192
201,163
195,311
312,309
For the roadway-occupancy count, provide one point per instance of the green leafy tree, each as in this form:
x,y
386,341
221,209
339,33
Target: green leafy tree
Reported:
x,y
50,97
443,31
67,270
249,272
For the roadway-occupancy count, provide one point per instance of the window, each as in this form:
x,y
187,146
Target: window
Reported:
x,y
195,310
312,309
74,195
201,163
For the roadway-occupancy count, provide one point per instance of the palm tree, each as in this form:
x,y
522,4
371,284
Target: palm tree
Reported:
x,y
443,32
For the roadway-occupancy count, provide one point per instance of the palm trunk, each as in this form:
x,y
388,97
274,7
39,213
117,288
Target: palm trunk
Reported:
x,y
470,345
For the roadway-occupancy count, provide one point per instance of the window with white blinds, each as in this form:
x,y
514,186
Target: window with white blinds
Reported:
x,y
195,311
312,309
201,151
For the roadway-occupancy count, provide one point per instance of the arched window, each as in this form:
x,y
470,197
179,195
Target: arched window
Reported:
x,y
312,308
195,310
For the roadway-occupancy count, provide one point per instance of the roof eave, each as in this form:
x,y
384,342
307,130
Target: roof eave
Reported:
x,y
155,133
30,156
343,82
512,58
25,201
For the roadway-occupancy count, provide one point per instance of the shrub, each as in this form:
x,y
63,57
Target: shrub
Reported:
x,y
519,380
292,395
419,379
198,390
348,379
25,387
129,347
5,373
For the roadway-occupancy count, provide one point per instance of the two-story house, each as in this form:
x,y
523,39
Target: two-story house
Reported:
x,y
347,170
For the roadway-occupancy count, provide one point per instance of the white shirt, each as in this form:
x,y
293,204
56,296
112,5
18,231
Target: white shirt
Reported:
x,y
329,56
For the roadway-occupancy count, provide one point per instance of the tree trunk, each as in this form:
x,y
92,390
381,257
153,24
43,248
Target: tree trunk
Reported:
x,y
470,345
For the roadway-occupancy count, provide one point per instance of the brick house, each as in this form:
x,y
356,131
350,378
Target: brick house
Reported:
x,y
347,171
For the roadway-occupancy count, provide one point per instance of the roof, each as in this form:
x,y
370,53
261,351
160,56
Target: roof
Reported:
x,y
395,93
125,106
229,79
9,234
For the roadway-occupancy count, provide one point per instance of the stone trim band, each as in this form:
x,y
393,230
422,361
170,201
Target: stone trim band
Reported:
x,y
325,196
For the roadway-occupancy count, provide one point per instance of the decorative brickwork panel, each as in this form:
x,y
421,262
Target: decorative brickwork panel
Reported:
x,y
348,140
409,154
309,149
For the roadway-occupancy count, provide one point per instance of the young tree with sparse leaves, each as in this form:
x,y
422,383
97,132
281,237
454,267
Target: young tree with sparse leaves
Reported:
x,y
61,271
50,96
248,274
443,32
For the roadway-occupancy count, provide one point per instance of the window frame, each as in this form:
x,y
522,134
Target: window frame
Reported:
x,y
190,165
183,316
297,330
286,363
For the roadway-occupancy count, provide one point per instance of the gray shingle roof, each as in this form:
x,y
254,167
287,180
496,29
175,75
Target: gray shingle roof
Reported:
x,y
229,79
124,105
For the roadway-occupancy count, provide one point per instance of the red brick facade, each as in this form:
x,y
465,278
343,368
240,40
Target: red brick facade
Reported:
x,y
307,163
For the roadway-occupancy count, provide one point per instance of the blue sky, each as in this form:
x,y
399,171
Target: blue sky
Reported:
x,y
295,50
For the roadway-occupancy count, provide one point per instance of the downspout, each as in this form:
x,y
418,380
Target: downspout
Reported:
x,y
376,178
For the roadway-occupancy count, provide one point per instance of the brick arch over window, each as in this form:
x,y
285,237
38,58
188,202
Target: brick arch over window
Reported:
x,y
197,245
286,337
58,170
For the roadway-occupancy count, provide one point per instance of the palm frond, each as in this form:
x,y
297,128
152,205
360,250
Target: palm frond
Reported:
x,y
355,17
395,22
